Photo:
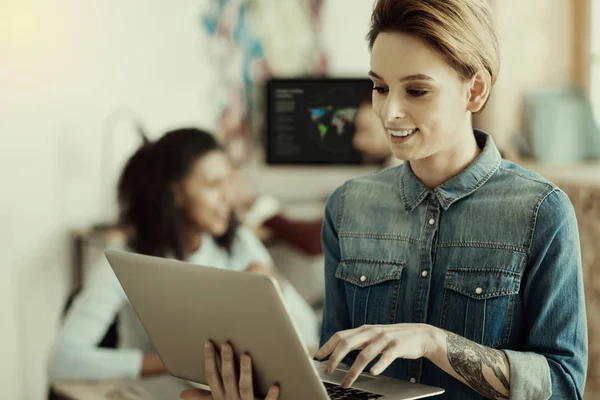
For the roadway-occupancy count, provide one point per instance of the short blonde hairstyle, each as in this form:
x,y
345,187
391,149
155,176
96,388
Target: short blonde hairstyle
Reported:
x,y
460,30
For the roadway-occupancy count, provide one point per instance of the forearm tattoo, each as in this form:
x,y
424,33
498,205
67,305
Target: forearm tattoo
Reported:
x,y
468,359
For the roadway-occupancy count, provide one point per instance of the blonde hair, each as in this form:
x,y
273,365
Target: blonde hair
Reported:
x,y
460,30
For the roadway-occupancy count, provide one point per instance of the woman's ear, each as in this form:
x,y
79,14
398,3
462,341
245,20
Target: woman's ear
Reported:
x,y
479,91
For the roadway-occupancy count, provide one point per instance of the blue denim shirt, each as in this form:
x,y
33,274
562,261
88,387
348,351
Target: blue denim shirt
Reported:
x,y
492,255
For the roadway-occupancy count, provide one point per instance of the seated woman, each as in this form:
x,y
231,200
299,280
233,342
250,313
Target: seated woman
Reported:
x,y
176,201
370,137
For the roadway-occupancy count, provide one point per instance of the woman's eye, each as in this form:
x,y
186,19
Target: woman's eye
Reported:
x,y
380,89
417,93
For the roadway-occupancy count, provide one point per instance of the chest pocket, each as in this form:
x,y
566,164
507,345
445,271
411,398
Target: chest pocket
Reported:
x,y
372,289
478,304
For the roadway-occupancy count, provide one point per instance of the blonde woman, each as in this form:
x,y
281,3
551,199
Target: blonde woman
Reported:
x,y
457,268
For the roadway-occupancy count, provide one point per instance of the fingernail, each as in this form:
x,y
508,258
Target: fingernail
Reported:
x,y
275,390
327,371
375,371
345,384
318,354
208,345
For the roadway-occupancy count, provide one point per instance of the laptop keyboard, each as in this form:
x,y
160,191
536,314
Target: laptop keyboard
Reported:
x,y
337,392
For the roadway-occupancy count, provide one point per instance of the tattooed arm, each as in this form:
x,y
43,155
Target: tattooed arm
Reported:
x,y
484,369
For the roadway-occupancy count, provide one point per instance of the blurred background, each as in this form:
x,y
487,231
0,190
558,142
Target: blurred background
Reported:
x,y
80,80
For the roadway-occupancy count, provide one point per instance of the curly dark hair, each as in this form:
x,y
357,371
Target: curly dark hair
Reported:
x,y
146,201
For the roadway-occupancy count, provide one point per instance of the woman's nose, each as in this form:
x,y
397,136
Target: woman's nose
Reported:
x,y
393,109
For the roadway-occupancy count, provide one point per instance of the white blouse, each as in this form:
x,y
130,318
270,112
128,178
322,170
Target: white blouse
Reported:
x,y
76,355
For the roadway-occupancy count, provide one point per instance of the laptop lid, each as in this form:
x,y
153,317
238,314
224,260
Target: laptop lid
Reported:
x,y
182,305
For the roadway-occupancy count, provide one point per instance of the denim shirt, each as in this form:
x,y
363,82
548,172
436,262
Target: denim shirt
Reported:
x,y
492,255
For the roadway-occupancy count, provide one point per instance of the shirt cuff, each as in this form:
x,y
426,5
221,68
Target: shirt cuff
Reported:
x,y
118,363
73,364
529,375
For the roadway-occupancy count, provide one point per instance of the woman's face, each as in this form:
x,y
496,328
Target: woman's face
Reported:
x,y
205,194
421,100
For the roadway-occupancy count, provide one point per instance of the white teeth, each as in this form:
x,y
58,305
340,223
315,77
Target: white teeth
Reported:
x,y
402,133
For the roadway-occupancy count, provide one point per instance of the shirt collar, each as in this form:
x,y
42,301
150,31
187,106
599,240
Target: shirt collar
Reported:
x,y
466,182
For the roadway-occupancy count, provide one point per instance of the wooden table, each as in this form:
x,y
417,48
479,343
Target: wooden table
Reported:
x,y
162,387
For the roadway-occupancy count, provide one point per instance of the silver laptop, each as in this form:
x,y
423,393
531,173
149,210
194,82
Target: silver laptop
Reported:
x,y
182,305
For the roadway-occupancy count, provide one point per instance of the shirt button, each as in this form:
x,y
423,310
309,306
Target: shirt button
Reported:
x,y
424,274
413,380
431,221
479,290
363,278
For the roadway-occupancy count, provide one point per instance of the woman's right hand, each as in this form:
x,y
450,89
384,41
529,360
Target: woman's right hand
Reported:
x,y
226,386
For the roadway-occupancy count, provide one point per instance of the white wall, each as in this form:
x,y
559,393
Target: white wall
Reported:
x,y
65,67
345,28
536,50
9,368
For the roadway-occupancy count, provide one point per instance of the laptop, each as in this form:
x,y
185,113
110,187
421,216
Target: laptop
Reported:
x,y
182,305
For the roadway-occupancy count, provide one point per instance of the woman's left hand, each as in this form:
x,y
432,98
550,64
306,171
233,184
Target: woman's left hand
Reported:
x,y
408,341
227,385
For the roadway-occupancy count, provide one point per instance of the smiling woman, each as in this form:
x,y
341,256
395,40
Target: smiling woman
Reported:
x,y
450,261
456,261
422,101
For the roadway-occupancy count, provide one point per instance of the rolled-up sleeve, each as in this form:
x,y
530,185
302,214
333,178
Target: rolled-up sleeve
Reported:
x,y
553,360
529,375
